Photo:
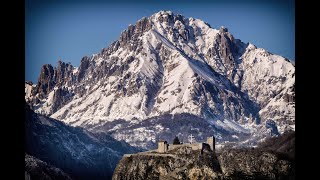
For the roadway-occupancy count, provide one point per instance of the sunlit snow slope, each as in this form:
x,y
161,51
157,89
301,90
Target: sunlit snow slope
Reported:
x,y
169,64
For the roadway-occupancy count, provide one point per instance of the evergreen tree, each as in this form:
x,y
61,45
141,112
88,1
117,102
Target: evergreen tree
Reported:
x,y
176,140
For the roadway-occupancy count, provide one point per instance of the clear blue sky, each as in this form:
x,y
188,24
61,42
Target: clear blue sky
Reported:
x,y
69,30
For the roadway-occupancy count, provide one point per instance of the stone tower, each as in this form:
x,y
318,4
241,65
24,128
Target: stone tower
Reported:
x,y
162,146
211,141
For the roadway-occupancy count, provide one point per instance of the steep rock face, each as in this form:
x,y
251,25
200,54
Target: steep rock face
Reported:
x,y
53,77
63,73
269,80
169,64
52,90
46,80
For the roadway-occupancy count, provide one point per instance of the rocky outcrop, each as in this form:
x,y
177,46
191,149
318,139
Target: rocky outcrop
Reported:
x,y
84,65
63,73
60,97
46,80
224,53
52,80
184,163
51,77
129,37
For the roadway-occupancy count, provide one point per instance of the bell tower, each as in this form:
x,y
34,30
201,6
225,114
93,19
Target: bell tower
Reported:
x,y
211,141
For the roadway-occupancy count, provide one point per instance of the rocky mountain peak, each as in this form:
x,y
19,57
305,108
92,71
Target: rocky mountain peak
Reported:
x,y
46,79
169,64
62,72
223,29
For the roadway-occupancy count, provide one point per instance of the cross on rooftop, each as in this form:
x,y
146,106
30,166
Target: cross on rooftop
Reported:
x,y
190,138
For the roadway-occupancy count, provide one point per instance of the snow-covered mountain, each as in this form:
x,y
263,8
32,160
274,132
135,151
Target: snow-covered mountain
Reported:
x,y
170,64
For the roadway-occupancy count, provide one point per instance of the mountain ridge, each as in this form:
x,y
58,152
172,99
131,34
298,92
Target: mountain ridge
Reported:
x,y
79,153
169,64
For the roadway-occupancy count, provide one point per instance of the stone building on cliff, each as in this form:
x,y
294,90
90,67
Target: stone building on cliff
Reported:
x,y
164,147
